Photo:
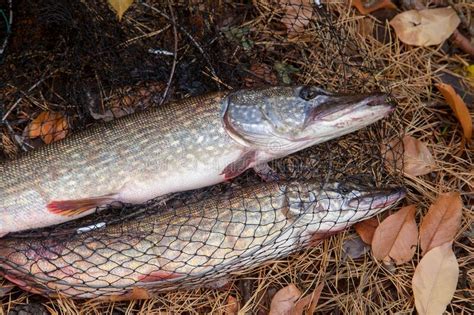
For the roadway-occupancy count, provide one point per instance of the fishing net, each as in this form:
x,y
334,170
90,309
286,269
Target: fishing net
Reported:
x,y
70,64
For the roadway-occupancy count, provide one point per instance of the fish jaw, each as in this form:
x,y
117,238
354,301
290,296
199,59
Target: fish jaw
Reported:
x,y
345,114
189,245
283,120
336,207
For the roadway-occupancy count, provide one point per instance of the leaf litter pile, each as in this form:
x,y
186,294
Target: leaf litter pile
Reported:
x,y
71,64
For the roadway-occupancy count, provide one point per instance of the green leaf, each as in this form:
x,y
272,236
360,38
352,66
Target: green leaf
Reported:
x,y
284,71
239,35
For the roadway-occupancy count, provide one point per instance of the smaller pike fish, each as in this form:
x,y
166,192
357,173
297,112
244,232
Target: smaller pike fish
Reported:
x,y
193,143
191,245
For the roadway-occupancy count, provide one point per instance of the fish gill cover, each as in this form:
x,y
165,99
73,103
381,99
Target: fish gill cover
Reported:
x,y
70,64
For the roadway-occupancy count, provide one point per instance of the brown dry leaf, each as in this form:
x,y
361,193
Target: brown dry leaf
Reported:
x,y
396,236
120,6
298,13
417,158
284,301
366,7
435,280
309,302
366,229
442,221
232,306
263,72
136,294
425,27
458,106
50,126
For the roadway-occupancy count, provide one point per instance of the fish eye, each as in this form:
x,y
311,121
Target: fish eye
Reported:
x,y
309,92
344,189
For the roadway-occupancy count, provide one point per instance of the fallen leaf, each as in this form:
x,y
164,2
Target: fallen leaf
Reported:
x,y
435,280
49,126
285,71
470,71
284,301
425,27
396,236
417,159
442,221
120,6
239,35
354,248
309,302
366,229
232,306
298,13
263,72
458,106
136,294
367,7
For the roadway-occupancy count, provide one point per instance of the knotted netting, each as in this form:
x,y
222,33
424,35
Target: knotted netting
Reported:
x,y
94,69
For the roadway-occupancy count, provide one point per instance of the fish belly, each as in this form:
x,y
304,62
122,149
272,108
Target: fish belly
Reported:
x,y
192,174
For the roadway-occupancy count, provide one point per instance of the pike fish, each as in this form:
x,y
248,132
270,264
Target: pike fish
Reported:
x,y
190,245
193,143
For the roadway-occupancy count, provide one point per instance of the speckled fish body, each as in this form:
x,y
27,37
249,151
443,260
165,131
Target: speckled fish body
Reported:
x,y
183,145
192,245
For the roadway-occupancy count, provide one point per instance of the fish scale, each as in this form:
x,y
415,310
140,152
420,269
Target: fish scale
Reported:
x,y
183,145
191,245
103,152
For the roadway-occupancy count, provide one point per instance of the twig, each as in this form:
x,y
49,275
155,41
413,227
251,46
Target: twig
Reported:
x,y
175,57
9,22
4,120
462,42
34,86
188,35
20,143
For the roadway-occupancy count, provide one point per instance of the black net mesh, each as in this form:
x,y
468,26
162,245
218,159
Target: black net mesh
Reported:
x,y
80,67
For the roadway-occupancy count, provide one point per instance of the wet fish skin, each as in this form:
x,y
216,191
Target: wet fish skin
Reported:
x,y
184,145
191,245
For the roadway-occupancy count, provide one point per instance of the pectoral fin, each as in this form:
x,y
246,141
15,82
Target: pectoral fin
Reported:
x,y
237,167
76,207
266,173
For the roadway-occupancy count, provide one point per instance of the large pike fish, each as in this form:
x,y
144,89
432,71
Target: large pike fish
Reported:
x,y
184,145
190,245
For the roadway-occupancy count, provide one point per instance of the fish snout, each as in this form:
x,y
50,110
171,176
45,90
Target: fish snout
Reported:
x,y
378,200
348,106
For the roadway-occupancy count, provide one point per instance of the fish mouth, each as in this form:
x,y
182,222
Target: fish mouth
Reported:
x,y
336,107
380,199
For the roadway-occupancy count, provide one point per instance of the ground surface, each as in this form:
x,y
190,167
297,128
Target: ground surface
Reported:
x,y
58,53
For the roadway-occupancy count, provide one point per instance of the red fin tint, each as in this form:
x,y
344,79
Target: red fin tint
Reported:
x,y
239,166
22,284
159,275
71,208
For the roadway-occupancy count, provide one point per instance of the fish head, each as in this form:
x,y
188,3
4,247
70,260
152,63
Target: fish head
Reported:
x,y
336,205
285,119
